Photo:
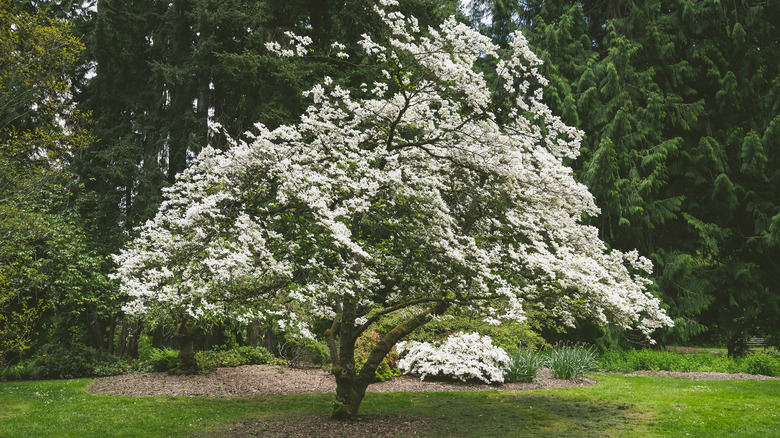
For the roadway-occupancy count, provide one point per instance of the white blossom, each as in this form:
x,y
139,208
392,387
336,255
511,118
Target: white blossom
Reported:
x,y
462,356
409,190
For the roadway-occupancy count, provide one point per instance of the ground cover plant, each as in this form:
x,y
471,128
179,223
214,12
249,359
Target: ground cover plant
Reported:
x,y
767,364
618,406
61,362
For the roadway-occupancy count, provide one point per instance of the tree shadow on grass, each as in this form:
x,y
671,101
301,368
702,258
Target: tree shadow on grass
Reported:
x,y
459,414
532,415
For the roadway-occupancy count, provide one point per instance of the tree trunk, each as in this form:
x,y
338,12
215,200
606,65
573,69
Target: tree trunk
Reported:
x,y
111,334
215,337
253,334
181,95
350,390
159,337
268,340
735,347
351,385
185,337
127,344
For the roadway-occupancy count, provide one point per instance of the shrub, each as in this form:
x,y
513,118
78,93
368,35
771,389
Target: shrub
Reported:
x,y
761,363
234,357
632,360
302,351
612,360
462,356
571,361
57,361
162,359
112,366
319,353
523,366
21,371
388,368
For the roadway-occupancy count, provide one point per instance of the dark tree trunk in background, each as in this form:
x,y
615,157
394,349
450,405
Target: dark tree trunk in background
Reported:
x,y
127,344
185,334
269,341
160,337
181,92
215,337
112,334
253,334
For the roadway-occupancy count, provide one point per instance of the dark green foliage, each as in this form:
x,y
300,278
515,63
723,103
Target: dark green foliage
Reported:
x,y
56,361
679,103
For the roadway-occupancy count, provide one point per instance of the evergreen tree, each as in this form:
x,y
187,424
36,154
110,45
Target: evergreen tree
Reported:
x,y
679,103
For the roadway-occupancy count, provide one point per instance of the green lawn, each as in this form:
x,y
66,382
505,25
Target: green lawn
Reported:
x,y
619,406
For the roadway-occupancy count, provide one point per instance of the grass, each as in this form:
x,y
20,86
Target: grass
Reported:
x,y
619,406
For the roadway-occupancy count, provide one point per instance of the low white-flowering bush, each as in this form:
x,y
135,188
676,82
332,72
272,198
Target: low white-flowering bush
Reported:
x,y
461,356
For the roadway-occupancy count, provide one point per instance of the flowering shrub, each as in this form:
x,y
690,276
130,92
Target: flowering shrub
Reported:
x,y
388,368
461,356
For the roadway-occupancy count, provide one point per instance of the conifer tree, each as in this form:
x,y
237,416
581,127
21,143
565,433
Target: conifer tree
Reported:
x,y
679,103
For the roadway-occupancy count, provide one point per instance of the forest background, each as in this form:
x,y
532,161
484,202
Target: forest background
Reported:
x,y
103,102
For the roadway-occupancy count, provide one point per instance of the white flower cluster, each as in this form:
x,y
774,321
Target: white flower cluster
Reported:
x,y
461,356
299,46
405,191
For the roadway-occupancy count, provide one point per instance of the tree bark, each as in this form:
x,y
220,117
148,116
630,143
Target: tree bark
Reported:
x,y
350,390
351,385
159,337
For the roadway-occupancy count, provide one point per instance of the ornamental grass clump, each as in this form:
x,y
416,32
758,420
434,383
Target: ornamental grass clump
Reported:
x,y
571,361
523,366
462,356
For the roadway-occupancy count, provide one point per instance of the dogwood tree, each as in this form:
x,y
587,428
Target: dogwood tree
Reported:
x,y
426,189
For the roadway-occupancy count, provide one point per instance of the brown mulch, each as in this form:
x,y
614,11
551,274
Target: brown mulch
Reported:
x,y
264,380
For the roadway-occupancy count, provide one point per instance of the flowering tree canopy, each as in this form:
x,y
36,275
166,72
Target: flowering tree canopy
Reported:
x,y
427,188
